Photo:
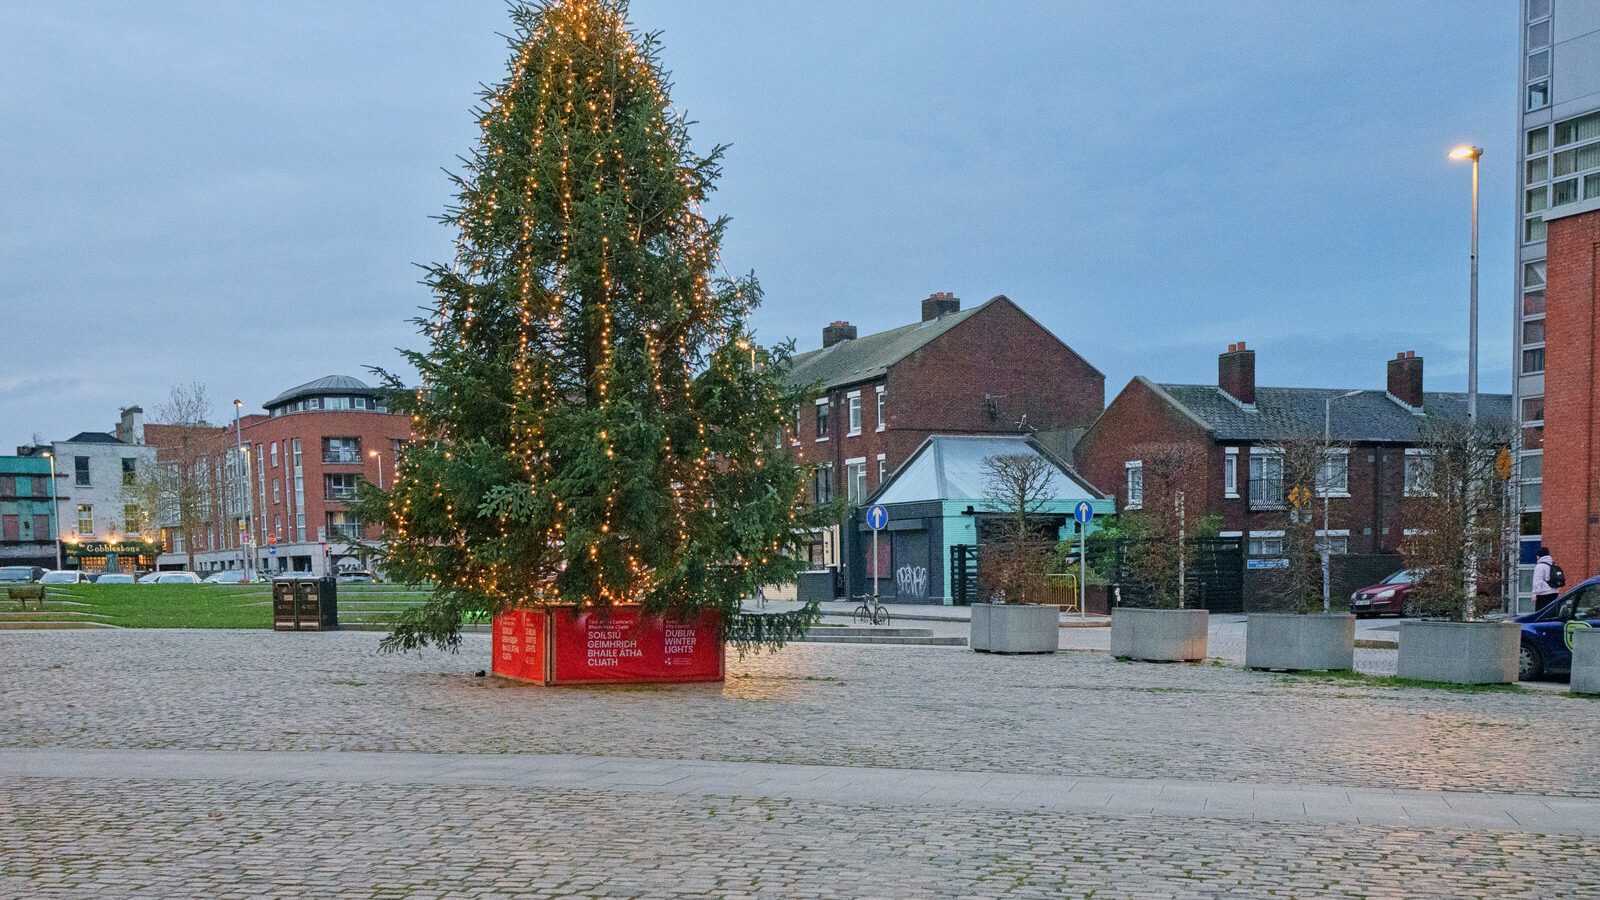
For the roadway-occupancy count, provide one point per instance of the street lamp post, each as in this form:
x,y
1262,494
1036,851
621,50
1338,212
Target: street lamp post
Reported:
x,y
1327,538
379,457
1474,154
1470,586
55,518
247,554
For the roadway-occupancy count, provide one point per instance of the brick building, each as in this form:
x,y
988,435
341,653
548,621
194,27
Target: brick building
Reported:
x,y
991,369
303,458
1234,423
1570,462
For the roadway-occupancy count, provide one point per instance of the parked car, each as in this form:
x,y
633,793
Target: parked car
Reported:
x,y
1546,645
355,577
20,574
227,576
170,578
1387,597
115,578
63,576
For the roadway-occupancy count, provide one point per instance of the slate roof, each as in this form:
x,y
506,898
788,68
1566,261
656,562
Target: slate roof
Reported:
x,y
92,437
950,467
328,384
869,356
1369,417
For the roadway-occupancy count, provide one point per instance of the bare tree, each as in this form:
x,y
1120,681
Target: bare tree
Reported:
x,y
1018,552
1171,505
179,489
1457,516
1305,461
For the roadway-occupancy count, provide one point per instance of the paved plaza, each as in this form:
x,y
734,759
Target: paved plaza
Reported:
x,y
210,763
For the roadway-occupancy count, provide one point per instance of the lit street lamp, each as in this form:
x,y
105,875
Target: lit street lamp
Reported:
x,y
1470,586
1327,538
55,520
1474,154
379,457
247,554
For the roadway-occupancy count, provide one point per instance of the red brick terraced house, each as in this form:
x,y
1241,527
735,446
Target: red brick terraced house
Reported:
x,y
305,456
991,369
1234,422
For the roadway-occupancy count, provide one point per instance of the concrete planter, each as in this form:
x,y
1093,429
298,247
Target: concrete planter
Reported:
x,y
1159,635
1015,628
1586,661
1460,652
1295,643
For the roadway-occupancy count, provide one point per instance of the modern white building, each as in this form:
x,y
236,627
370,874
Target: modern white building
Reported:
x,y
1558,162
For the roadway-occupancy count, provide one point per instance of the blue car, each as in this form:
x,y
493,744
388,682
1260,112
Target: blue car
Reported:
x,y
1546,644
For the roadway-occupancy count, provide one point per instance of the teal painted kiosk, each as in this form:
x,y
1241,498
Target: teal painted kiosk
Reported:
x,y
927,553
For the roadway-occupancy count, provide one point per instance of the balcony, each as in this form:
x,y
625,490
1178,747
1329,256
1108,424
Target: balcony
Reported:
x,y
1266,495
346,531
339,495
342,456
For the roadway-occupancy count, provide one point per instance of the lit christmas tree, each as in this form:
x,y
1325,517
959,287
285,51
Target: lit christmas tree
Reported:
x,y
595,422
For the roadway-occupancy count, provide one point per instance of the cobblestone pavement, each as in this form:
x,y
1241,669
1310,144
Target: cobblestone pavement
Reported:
x,y
1076,713
932,708
155,838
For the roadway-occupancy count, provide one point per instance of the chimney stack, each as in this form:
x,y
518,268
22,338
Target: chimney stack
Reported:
x,y
836,332
939,304
130,429
1236,373
1405,379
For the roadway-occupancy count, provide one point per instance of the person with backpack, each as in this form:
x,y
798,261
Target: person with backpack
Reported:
x,y
1548,579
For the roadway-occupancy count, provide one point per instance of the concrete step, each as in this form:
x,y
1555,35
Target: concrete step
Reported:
x,y
884,630
821,636
50,626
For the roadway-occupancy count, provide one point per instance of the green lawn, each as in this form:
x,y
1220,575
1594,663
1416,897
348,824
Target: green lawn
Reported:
x,y
151,606
197,605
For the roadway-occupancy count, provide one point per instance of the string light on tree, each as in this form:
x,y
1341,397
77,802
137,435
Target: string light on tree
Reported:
x,y
594,425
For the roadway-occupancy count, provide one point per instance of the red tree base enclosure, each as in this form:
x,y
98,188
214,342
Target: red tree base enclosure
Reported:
x,y
559,645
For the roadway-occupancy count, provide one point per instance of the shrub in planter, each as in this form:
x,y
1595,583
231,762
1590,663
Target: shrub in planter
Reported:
x,y
1159,555
1015,560
1299,632
1458,524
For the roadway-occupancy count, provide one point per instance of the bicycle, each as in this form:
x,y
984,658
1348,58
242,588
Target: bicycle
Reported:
x,y
870,611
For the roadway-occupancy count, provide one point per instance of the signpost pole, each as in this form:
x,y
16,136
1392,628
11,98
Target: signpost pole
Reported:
x,y
877,519
1083,566
1083,513
874,565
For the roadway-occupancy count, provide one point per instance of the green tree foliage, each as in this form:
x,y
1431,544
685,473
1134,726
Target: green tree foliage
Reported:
x,y
595,423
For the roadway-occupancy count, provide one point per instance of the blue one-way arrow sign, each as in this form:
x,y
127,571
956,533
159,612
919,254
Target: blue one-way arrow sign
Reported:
x,y
1083,512
877,518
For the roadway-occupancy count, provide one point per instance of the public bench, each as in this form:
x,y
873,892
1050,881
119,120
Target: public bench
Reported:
x,y
25,592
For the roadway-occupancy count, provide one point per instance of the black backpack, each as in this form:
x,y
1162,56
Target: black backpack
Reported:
x,y
1557,577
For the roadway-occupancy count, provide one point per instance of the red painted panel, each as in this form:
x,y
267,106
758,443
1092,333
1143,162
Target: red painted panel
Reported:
x,y
624,646
519,644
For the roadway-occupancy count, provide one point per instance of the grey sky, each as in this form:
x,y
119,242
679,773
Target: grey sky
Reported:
x,y
235,193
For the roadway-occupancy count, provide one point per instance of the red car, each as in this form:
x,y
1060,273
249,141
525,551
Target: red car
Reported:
x,y
1387,597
